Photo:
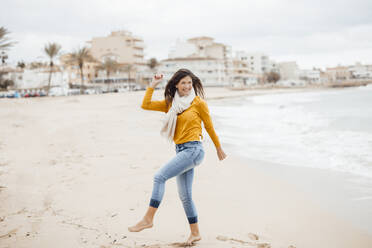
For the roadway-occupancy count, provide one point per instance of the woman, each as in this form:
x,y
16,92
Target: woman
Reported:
x,y
185,111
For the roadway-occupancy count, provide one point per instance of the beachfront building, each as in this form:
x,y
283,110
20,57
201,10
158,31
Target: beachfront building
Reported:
x,y
73,70
259,63
338,74
288,70
202,47
121,46
242,74
323,77
209,60
211,71
125,78
124,48
310,76
36,78
359,71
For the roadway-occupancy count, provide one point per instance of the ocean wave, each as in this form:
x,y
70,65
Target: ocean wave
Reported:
x,y
300,131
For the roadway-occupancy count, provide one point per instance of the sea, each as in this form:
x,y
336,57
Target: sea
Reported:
x,y
327,129
319,141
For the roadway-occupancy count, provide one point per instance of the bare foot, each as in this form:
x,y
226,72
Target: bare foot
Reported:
x,y
192,239
143,224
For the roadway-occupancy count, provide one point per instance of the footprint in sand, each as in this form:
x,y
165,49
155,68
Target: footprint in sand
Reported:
x,y
52,162
9,234
253,236
3,164
171,245
17,125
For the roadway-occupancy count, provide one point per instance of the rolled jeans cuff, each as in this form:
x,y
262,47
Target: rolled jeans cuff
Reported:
x,y
192,220
154,203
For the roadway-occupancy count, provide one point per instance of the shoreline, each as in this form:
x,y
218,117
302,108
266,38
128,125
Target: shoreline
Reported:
x,y
234,92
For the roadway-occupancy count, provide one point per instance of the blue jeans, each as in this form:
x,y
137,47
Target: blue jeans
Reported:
x,y
189,155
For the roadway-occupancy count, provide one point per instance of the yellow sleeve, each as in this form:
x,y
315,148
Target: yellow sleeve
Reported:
x,y
206,118
153,105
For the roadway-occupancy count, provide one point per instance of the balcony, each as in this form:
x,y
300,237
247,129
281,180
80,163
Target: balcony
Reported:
x,y
139,44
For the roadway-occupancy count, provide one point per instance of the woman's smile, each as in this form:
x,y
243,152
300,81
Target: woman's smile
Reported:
x,y
184,86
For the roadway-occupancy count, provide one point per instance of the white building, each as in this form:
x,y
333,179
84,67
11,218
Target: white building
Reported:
x,y
258,62
208,60
359,71
38,78
288,70
310,76
211,71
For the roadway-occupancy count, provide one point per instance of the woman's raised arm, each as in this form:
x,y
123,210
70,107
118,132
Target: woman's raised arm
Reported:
x,y
154,105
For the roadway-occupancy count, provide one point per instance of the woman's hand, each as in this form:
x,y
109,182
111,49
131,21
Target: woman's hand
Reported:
x,y
156,80
221,154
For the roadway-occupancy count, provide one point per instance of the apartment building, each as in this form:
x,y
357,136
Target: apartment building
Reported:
x,y
288,70
73,70
338,73
209,60
211,71
121,46
310,76
359,71
242,74
200,47
259,63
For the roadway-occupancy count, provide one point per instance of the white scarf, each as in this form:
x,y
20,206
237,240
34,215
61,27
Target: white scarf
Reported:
x,y
179,104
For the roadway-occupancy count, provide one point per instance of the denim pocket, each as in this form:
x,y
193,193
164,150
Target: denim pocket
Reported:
x,y
199,157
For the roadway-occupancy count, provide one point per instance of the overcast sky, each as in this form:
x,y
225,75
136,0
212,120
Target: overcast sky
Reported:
x,y
313,33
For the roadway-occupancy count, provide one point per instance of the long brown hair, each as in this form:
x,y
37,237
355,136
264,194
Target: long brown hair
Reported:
x,y
170,88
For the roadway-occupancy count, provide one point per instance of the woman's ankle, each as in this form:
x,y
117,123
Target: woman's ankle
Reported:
x,y
147,219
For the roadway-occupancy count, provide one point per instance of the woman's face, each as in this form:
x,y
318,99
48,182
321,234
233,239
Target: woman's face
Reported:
x,y
184,86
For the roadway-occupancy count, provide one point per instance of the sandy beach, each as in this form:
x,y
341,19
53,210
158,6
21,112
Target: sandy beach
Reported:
x,y
77,171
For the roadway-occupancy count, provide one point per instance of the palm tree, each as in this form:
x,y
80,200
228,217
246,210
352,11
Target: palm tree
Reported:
x,y
4,41
109,65
52,50
79,57
4,45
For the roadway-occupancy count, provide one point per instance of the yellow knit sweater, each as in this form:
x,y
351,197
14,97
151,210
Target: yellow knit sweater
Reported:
x,y
188,127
